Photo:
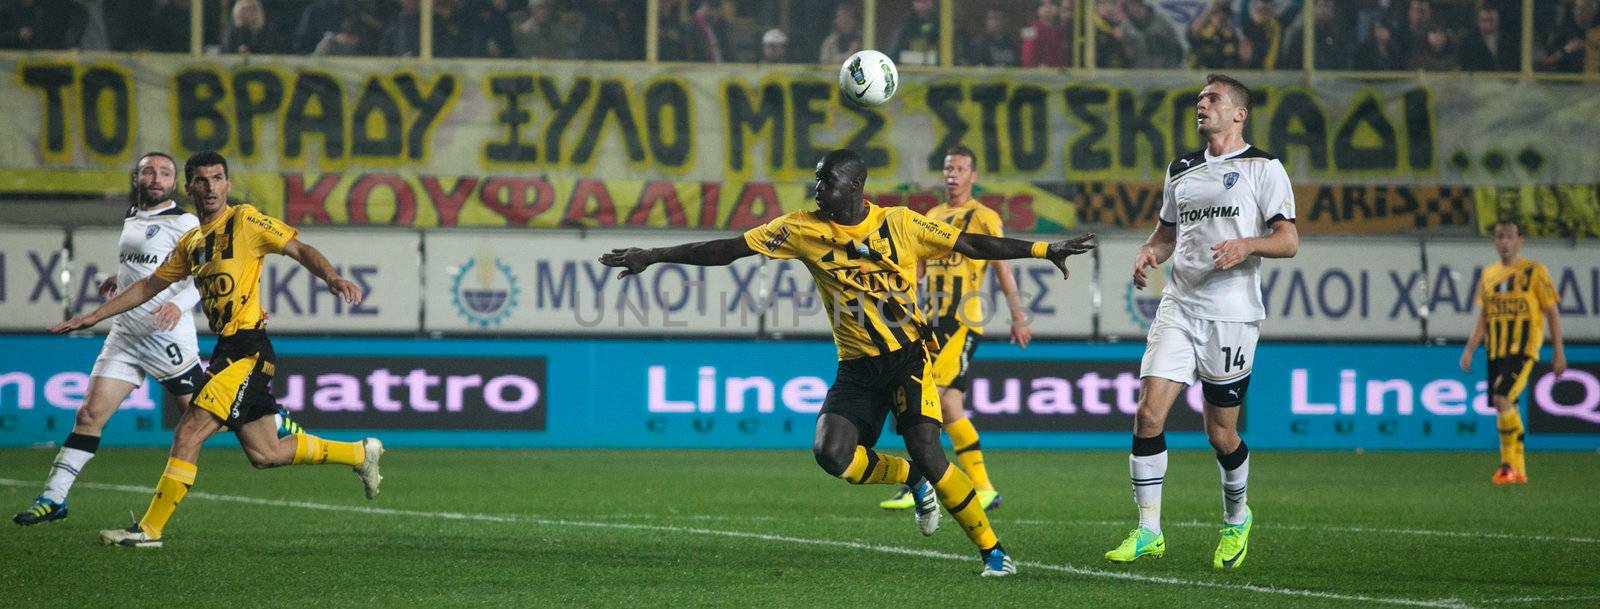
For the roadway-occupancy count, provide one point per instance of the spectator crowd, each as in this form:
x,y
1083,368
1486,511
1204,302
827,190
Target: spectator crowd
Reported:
x,y
1368,35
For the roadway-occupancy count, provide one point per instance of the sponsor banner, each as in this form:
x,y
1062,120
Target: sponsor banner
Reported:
x,y
1408,397
33,264
749,394
510,145
384,264
1053,395
1455,266
1321,209
1334,289
433,393
554,282
1344,289
1568,403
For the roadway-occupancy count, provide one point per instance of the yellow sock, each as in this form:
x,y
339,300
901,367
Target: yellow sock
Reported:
x,y
957,495
1511,436
964,438
870,467
312,450
174,484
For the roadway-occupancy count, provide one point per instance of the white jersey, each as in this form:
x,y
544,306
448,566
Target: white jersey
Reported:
x,y
148,237
1215,199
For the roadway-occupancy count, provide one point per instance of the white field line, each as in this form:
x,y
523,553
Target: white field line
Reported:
x,y
1127,523
1544,599
855,545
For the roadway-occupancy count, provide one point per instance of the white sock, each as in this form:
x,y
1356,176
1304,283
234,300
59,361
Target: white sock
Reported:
x,y
1148,473
1234,483
64,472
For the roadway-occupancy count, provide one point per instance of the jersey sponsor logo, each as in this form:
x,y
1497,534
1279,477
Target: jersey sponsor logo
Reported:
x,y
1229,179
215,285
140,258
1196,215
1506,307
151,232
931,227
265,224
485,291
777,239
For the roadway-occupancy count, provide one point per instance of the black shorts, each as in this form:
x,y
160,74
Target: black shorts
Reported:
x,y
1508,376
869,388
238,382
184,383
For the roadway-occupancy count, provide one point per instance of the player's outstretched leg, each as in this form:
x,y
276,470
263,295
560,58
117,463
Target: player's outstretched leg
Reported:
x,y
265,443
958,496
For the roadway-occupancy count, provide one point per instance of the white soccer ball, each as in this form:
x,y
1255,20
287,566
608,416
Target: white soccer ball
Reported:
x,y
868,78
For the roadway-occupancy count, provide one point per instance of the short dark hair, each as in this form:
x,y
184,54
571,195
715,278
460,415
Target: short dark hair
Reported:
x,y
1241,93
850,162
963,150
1512,222
205,158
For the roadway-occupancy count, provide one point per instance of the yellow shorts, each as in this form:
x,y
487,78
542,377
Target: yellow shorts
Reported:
x,y
238,383
954,359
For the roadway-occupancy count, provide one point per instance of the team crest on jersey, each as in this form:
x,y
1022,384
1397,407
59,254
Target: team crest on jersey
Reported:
x,y
151,232
485,291
1229,179
1141,305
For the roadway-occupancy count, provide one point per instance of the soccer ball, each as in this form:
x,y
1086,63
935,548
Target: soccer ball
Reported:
x,y
868,78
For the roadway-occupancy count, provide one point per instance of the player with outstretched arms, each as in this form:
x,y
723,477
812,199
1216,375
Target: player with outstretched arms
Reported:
x,y
1223,209
864,260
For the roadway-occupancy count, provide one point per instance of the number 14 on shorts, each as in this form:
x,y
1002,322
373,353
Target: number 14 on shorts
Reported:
x,y
1232,359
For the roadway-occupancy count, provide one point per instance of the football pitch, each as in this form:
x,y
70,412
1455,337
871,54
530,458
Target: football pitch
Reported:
x,y
769,529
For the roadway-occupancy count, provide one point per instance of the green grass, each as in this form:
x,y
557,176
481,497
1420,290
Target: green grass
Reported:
x,y
742,529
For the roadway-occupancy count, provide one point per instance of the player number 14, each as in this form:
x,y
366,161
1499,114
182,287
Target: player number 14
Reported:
x,y
1232,357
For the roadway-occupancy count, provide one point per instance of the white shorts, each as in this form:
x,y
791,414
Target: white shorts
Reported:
x,y
129,356
1180,345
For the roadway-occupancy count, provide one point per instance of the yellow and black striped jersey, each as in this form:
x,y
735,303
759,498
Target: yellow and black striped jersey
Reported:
x,y
867,273
951,279
1514,298
224,257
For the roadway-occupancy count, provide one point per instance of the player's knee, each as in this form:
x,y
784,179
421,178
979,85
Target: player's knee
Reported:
x,y
90,420
1225,395
1223,439
832,460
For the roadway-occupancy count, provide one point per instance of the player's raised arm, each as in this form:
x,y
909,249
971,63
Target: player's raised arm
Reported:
x,y
716,252
135,295
984,247
318,264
